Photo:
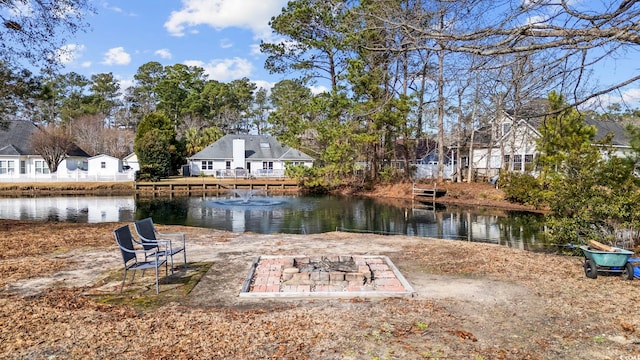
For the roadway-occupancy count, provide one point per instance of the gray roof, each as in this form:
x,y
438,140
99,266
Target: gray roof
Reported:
x,y
257,147
15,139
603,128
620,136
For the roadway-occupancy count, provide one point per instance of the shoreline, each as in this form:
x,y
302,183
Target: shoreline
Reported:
x,y
459,194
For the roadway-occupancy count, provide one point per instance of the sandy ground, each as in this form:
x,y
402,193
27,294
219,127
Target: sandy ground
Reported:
x,y
473,301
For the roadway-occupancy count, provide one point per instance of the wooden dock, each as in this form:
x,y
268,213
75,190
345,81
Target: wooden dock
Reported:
x,y
427,194
196,185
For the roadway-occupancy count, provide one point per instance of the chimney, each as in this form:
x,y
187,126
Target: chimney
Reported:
x,y
238,153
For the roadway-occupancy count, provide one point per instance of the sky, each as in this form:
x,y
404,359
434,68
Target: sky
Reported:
x,y
221,36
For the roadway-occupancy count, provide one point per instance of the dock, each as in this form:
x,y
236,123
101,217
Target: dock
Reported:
x,y
427,194
197,185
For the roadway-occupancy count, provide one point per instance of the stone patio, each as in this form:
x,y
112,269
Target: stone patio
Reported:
x,y
325,276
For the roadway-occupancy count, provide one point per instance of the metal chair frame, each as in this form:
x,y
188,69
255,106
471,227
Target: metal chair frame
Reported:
x,y
125,241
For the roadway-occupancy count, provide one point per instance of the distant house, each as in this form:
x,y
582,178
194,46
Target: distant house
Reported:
x,y
18,159
130,162
104,165
246,155
20,162
510,141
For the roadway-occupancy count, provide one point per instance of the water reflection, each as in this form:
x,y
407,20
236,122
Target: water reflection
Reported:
x,y
293,215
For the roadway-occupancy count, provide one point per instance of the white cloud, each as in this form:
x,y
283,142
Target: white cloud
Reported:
x,y
224,69
255,49
226,43
163,53
627,98
247,14
69,53
113,8
116,56
318,89
125,83
536,19
264,85
86,64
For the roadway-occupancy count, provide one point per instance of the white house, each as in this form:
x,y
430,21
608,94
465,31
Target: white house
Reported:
x,y
20,162
246,155
18,159
104,165
510,142
130,162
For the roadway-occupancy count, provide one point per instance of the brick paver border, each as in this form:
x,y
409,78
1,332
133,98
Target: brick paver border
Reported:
x,y
276,276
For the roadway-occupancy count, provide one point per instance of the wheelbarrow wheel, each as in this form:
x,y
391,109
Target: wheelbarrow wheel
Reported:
x,y
627,272
590,269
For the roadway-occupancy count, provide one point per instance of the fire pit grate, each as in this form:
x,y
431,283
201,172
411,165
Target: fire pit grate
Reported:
x,y
325,276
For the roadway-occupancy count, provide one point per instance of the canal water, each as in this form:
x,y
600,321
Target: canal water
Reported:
x,y
293,214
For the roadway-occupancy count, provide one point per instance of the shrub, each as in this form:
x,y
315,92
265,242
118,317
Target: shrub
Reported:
x,y
521,188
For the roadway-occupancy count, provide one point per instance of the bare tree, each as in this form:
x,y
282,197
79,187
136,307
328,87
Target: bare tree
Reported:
x,y
117,142
573,36
89,133
37,30
53,144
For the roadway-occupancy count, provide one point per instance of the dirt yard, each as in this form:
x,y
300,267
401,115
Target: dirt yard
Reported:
x,y
60,300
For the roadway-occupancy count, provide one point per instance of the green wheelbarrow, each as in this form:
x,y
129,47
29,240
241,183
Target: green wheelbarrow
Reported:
x,y
616,261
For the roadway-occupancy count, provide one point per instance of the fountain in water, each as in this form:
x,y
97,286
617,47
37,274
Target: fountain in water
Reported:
x,y
246,199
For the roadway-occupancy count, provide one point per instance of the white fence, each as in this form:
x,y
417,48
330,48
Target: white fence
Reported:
x,y
430,171
70,176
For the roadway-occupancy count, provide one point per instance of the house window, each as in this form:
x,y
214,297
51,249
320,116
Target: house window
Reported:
x,y
267,165
505,128
207,165
103,165
41,167
227,165
7,167
528,162
23,167
528,159
517,162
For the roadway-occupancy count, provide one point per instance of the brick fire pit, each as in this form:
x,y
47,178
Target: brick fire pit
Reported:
x,y
325,276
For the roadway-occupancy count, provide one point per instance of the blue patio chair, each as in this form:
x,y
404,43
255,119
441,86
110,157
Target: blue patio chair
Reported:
x,y
152,239
130,256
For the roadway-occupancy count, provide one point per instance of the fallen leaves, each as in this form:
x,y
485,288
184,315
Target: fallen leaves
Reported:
x,y
464,335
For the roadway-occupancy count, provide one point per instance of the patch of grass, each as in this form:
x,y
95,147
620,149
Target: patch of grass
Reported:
x,y
422,326
599,339
141,294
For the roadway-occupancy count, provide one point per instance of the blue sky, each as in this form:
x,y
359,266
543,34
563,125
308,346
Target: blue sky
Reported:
x,y
221,36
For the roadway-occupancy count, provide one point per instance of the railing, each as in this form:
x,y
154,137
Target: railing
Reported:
x,y
245,174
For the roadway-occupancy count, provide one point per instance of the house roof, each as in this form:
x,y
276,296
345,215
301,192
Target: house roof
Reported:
x,y
257,147
101,156
15,139
604,128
